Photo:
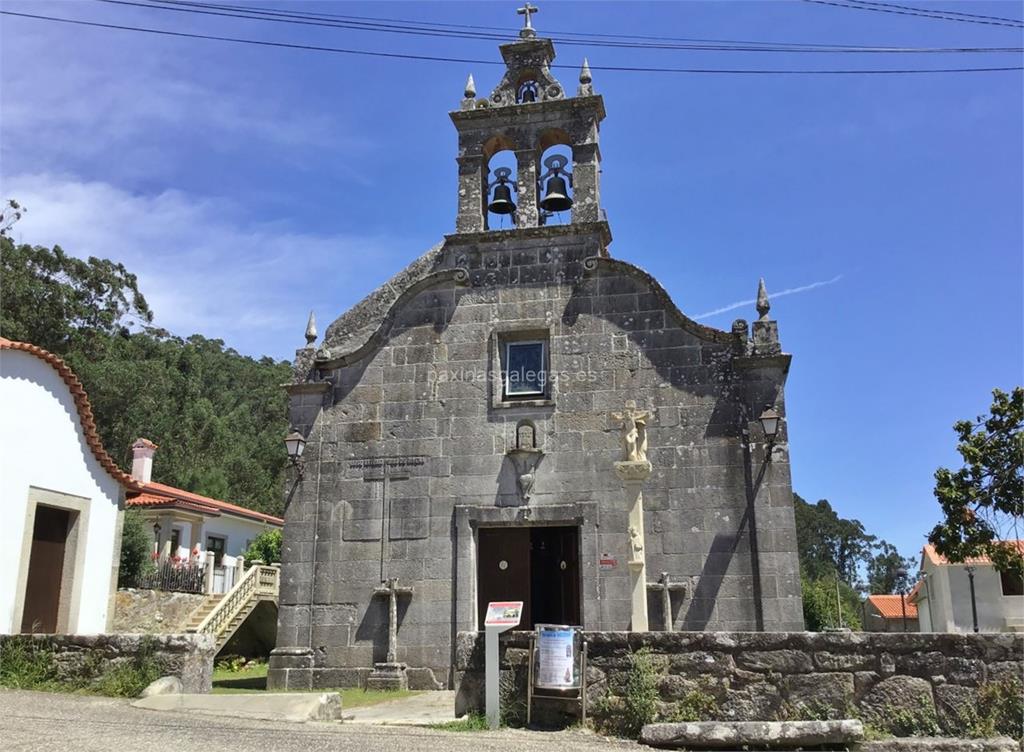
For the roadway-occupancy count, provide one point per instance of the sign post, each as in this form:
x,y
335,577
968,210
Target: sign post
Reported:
x,y
501,617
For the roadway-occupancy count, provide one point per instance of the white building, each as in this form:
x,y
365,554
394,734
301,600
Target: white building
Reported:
x,y
62,499
944,598
187,525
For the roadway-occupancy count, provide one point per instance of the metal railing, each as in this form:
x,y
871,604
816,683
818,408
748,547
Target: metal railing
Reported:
x,y
180,577
260,582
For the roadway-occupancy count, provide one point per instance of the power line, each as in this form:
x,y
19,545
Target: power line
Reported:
x,y
1014,21
388,25
896,9
441,59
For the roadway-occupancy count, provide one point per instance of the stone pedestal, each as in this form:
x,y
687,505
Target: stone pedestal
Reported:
x,y
290,668
633,473
388,676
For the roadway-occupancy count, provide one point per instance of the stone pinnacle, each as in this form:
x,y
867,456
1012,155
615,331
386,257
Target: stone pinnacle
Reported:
x,y
763,306
311,329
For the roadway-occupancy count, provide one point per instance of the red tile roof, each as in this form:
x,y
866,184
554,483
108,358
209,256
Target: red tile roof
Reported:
x,y
936,558
159,495
890,606
85,416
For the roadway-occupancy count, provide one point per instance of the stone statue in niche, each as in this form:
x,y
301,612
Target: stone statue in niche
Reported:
x,y
633,432
526,436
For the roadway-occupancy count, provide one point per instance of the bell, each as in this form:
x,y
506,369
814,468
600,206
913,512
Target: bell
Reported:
x,y
502,203
556,198
529,95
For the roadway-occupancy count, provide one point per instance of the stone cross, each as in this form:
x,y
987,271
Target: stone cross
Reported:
x,y
666,586
633,424
633,470
527,30
392,591
389,471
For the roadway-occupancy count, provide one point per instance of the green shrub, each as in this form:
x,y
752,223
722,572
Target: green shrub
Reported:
x,y
266,547
26,664
640,704
919,721
135,547
1000,709
695,706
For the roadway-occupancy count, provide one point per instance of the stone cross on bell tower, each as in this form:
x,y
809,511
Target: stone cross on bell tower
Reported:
x,y
527,32
527,113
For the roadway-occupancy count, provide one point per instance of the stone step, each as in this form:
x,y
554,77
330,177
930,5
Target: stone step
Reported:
x,y
727,735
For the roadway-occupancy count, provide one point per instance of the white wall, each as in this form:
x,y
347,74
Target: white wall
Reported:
x,y
950,594
237,530
42,445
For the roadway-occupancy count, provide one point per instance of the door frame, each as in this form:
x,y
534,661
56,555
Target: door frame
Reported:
x,y
74,556
468,519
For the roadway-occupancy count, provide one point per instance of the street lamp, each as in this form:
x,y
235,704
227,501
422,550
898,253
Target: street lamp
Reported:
x,y
902,573
769,420
974,604
294,443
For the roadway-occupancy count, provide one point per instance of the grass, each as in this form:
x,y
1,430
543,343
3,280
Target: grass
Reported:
x,y
253,680
29,664
240,681
473,722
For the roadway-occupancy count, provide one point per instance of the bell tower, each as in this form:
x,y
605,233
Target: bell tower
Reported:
x,y
527,114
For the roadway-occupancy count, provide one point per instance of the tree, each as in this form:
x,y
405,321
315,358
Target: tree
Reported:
x,y
12,211
64,304
820,606
266,547
883,571
218,416
983,502
135,542
829,543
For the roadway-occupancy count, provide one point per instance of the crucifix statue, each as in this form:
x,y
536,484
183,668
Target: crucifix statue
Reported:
x,y
633,426
633,470
392,591
527,32
666,586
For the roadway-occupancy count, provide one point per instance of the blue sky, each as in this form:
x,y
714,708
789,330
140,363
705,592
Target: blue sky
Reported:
x,y
247,185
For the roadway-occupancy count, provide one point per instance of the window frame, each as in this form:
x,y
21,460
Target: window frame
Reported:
x,y
1003,576
218,557
542,393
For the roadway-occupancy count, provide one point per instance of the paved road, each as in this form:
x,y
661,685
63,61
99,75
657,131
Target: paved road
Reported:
x,y
41,722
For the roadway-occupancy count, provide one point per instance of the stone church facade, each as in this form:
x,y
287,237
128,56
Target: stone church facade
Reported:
x,y
463,427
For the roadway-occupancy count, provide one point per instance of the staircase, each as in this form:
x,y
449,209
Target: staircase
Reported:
x,y
222,615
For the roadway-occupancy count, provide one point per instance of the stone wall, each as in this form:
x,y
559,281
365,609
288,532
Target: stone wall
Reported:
x,y
885,679
154,611
82,658
417,381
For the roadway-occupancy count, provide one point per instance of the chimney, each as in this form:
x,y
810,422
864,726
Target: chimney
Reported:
x,y
142,460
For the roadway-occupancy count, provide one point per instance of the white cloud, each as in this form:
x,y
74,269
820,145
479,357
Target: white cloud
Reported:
x,y
130,107
202,265
771,296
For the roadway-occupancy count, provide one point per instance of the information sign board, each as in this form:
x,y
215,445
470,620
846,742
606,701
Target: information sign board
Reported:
x,y
503,614
556,656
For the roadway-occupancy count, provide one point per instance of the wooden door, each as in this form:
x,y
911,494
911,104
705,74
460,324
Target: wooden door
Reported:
x,y
555,575
503,569
45,570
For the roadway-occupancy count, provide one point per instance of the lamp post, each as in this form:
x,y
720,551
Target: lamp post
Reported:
x,y
902,573
769,420
294,443
974,604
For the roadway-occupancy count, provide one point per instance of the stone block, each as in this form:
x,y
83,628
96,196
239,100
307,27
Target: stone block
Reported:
x,y
779,661
740,735
900,705
815,695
